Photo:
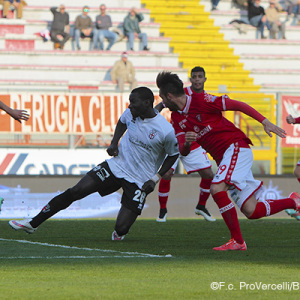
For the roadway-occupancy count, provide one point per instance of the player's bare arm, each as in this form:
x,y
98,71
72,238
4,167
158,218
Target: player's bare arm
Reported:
x,y
149,185
290,119
17,114
113,149
253,113
270,127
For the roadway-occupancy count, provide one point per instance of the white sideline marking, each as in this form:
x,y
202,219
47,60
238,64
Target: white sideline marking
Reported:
x,y
69,257
127,254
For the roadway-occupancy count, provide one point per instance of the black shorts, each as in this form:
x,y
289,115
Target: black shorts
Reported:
x,y
133,197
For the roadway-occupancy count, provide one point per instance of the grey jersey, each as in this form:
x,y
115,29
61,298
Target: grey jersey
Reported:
x,y
143,148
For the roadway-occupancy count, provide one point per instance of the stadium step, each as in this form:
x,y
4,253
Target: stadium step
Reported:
x,y
83,73
28,85
94,58
286,47
91,3
34,42
270,61
275,76
231,32
117,14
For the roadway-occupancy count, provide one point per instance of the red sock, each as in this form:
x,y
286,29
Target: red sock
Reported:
x,y
270,207
163,192
204,191
228,212
298,179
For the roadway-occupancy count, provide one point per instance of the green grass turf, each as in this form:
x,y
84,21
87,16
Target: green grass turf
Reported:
x,y
34,271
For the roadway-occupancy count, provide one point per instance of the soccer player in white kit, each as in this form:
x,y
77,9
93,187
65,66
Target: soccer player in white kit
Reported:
x,y
147,150
199,118
196,161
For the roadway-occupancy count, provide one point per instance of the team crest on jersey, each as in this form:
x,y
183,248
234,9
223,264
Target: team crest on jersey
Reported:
x,y
209,97
198,117
196,129
152,134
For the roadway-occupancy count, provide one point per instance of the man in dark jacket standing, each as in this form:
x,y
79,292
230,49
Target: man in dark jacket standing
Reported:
x,y
60,27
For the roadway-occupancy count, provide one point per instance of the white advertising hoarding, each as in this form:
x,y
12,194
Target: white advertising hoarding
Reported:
x,y
49,161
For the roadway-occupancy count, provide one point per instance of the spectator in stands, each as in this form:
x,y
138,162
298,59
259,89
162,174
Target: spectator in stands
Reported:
x,y
60,27
123,71
83,27
214,4
293,6
241,4
16,4
132,29
257,16
101,31
272,13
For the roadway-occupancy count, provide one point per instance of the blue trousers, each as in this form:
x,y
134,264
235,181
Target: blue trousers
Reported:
x,y
143,38
100,35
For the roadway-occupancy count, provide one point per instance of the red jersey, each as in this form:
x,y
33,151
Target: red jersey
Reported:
x,y
188,91
203,114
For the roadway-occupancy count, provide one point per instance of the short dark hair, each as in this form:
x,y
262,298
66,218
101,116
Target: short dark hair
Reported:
x,y
144,92
197,69
169,82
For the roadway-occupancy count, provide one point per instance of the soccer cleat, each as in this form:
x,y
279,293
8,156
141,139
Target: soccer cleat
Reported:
x,y
116,237
22,225
296,198
231,245
293,213
290,212
162,215
1,202
201,210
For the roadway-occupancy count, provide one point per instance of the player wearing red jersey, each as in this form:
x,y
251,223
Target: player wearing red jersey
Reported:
x,y
196,161
199,118
293,213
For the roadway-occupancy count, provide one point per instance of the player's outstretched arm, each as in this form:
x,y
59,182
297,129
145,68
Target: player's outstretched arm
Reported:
x,y
290,119
17,114
270,127
113,149
253,113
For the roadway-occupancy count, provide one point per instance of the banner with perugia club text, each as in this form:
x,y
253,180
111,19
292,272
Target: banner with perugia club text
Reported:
x,y
290,106
66,113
